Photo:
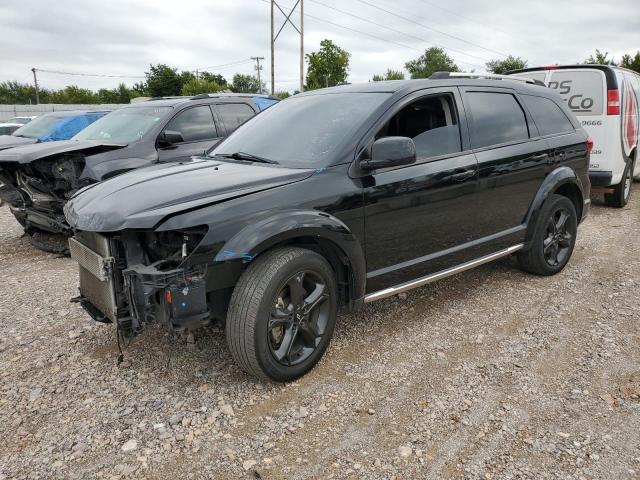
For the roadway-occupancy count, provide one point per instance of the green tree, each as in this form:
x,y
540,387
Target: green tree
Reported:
x,y
632,63
245,84
195,87
163,80
282,94
503,66
327,67
390,75
600,58
434,59
214,77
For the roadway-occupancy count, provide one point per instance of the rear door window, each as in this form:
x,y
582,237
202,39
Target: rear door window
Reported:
x,y
496,118
194,124
234,114
581,89
549,117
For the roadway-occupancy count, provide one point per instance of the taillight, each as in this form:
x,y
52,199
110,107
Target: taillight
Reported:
x,y
613,102
551,67
589,143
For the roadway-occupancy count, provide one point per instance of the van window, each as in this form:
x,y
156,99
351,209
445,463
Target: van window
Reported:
x,y
496,118
581,89
548,116
431,122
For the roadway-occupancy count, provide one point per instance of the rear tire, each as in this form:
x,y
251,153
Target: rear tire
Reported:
x,y
282,314
622,191
553,239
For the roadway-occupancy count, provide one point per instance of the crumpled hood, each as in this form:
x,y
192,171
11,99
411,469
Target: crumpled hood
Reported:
x,y
143,198
9,141
29,153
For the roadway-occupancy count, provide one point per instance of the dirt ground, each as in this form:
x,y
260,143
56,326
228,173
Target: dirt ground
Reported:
x,y
493,374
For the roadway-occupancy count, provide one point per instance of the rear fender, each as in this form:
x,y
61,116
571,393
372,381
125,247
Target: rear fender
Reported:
x,y
555,180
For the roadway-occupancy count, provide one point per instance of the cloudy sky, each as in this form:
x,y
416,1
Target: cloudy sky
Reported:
x,y
121,37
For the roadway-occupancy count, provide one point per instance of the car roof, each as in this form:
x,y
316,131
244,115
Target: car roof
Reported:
x,y
72,113
184,100
396,86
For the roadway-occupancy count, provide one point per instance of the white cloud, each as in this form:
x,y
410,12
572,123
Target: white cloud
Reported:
x,y
121,37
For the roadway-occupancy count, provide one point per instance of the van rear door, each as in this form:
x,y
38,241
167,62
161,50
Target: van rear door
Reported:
x,y
585,91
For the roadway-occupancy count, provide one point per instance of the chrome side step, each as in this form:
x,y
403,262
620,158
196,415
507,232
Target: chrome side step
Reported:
x,y
403,287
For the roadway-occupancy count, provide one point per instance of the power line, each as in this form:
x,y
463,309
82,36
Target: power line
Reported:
x,y
58,72
389,12
371,35
224,65
468,19
396,31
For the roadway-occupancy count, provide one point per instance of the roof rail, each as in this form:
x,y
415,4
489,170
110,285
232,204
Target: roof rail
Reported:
x,y
493,76
227,94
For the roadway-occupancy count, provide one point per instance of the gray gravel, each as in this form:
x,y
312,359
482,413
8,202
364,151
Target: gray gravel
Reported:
x,y
491,374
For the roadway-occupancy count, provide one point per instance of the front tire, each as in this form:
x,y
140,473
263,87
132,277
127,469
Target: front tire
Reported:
x,y
622,191
282,314
49,242
553,239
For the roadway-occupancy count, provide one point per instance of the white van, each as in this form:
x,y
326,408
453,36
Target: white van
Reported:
x,y
605,99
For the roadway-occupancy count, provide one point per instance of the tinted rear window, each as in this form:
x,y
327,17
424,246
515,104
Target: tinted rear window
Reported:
x,y
581,89
548,116
496,118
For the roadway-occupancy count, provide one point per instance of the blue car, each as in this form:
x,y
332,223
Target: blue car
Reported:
x,y
51,127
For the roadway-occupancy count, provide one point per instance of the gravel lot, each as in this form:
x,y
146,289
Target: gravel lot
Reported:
x,y
491,374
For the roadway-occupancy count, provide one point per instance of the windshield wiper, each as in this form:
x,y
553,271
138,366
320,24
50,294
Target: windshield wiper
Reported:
x,y
246,156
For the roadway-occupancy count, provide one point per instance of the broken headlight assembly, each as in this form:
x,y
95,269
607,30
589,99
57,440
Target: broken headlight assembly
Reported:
x,y
167,288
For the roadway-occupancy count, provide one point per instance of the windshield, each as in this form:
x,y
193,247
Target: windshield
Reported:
x,y
38,127
125,125
302,131
20,120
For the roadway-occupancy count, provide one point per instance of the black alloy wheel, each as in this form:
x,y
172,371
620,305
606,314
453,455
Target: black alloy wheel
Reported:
x,y
299,318
552,237
282,314
558,242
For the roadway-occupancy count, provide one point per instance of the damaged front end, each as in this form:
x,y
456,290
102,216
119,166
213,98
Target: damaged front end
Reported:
x,y
36,192
128,284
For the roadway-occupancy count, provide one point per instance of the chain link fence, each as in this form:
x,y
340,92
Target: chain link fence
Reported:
x,y
9,111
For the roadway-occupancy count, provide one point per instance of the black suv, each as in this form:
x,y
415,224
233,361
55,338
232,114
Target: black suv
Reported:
x,y
40,178
334,198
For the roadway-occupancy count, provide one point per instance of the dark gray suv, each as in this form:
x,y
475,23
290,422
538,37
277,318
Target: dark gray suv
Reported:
x,y
39,179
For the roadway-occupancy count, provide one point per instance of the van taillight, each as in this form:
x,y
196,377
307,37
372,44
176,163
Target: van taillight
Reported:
x,y
589,143
613,102
551,67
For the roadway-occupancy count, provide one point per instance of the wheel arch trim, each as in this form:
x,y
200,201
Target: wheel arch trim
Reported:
x,y
286,227
555,180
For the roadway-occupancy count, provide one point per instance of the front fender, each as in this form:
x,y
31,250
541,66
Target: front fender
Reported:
x,y
283,226
110,168
560,176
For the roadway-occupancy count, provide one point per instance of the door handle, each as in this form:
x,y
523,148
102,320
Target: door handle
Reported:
x,y
462,175
540,156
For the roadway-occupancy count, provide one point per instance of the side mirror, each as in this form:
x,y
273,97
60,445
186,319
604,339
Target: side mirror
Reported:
x,y
170,137
390,152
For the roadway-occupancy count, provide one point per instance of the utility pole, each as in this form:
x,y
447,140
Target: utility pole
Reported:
x,y
35,81
258,68
300,31
302,45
